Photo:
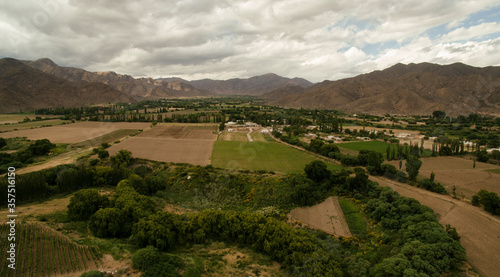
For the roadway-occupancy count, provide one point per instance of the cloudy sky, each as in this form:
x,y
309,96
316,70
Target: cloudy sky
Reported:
x,y
222,39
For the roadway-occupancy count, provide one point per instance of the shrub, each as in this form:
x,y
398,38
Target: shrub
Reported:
x,y
93,273
156,263
85,203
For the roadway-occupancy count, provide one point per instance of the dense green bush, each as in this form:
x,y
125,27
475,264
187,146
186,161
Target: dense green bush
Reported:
x,y
155,263
108,222
490,201
85,203
432,186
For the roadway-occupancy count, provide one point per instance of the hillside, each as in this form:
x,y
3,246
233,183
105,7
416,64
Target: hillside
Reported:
x,y
23,88
252,86
406,89
282,92
140,88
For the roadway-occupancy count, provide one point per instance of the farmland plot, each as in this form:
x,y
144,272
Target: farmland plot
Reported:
x,y
326,216
76,132
171,143
458,172
43,252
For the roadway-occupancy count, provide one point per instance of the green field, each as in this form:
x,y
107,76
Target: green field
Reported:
x,y
497,171
107,138
32,124
375,145
269,156
354,218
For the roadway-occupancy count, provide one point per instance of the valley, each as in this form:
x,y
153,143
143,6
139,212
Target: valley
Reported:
x,y
307,173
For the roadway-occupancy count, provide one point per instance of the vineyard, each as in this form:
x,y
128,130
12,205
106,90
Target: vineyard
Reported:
x,y
41,251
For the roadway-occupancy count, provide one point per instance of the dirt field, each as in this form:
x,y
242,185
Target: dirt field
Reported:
x,y
76,132
171,143
479,230
326,216
460,172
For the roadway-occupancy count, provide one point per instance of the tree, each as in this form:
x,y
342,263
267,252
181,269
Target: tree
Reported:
x,y
85,203
413,165
315,145
41,147
317,171
482,156
439,114
3,142
372,159
122,159
107,222
102,154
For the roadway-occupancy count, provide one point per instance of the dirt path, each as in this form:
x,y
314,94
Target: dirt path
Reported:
x,y
326,216
480,231
250,139
65,158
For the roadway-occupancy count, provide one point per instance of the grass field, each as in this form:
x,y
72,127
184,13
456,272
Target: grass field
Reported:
x,y
375,145
269,156
354,218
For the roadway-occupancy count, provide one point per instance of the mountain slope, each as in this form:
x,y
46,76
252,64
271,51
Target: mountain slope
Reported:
x,y
282,92
407,89
140,88
23,88
252,86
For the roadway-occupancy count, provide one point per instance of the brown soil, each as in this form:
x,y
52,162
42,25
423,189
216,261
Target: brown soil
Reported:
x,y
51,206
480,231
74,133
326,216
167,143
459,172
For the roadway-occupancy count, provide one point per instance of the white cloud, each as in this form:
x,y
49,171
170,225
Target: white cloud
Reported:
x,y
320,39
472,32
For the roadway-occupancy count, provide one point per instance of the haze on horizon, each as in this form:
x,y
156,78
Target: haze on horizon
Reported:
x,y
195,39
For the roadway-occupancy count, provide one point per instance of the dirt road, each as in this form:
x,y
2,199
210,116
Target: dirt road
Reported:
x,y
480,231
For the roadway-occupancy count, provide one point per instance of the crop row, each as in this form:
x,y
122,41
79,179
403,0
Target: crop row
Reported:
x,y
41,251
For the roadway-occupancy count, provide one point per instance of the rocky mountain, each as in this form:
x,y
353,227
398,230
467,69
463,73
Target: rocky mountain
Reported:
x,y
252,86
405,89
140,88
282,92
23,88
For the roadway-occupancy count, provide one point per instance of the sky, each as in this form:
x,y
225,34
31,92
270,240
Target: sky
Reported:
x,y
218,39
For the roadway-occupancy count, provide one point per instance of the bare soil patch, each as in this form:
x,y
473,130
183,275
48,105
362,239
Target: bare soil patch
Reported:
x,y
51,206
74,133
479,230
233,136
459,172
326,216
171,143
167,150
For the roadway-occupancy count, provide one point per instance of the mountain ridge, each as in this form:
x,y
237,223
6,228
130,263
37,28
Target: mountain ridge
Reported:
x,y
23,88
406,89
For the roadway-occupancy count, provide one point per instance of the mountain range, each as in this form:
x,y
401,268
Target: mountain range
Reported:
x,y
401,89
23,88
